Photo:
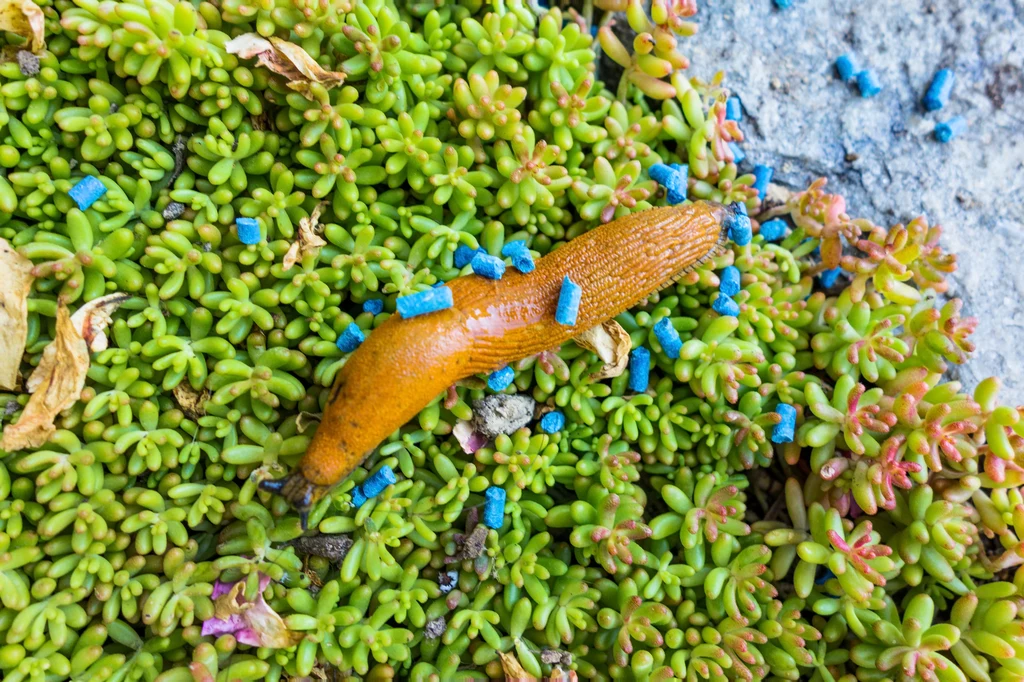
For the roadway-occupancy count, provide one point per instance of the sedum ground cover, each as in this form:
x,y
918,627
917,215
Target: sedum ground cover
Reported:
x,y
660,535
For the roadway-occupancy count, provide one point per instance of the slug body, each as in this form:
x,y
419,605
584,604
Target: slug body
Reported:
x,y
406,363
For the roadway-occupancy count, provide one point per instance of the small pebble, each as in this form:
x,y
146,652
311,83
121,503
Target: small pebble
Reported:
x,y
944,132
783,431
773,230
378,481
847,67
724,305
502,413
729,281
522,259
248,230
487,266
423,302
494,507
939,91
28,63
739,228
867,83
733,109
447,581
639,369
435,628
501,379
173,210
374,306
568,303
351,338
828,277
737,152
87,191
464,255
552,422
673,179
762,177
668,337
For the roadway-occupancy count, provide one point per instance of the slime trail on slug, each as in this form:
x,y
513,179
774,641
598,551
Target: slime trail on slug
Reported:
x,y
406,363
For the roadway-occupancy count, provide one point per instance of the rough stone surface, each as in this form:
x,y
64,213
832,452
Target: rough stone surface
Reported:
x,y
502,414
881,152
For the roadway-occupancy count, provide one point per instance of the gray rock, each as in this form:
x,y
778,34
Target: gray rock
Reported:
x,y
502,413
881,152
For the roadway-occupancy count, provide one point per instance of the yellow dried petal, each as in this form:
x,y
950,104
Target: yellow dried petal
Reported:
x,y
15,283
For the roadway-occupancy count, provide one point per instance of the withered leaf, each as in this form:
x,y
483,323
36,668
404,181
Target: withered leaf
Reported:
x,y
191,401
514,671
24,18
92,319
307,241
611,343
15,283
284,58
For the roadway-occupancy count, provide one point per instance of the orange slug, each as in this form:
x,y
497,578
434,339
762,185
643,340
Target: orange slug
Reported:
x,y
406,363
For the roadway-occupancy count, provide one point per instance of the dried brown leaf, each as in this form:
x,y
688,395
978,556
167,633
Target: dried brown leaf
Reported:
x,y
308,240
24,18
284,58
611,343
191,401
15,283
93,318
514,671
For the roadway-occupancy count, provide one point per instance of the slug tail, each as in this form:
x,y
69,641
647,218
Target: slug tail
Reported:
x,y
298,490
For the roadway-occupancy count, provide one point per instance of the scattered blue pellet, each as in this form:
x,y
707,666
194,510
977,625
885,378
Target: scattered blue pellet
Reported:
x,y
487,266
358,498
87,191
522,259
783,431
423,302
828,277
724,305
500,379
739,228
351,338
248,230
944,132
730,281
824,575
568,303
783,4
939,91
847,67
552,422
740,208
673,179
867,83
639,369
494,507
733,109
773,230
374,306
737,152
668,337
464,255
378,481
762,176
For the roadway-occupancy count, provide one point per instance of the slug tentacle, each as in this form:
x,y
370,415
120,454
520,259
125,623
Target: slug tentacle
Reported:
x,y
406,363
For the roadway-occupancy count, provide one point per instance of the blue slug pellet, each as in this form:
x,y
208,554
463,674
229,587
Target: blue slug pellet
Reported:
x,y
783,431
552,422
87,191
828,277
867,83
724,305
733,109
783,4
358,498
944,132
248,230
423,302
464,255
494,507
773,230
639,369
522,259
737,152
739,228
487,266
762,177
847,67
729,281
668,337
568,303
500,379
374,306
673,179
824,575
351,338
939,91
378,481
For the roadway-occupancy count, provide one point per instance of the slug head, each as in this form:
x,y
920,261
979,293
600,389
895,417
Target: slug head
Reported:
x,y
299,491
